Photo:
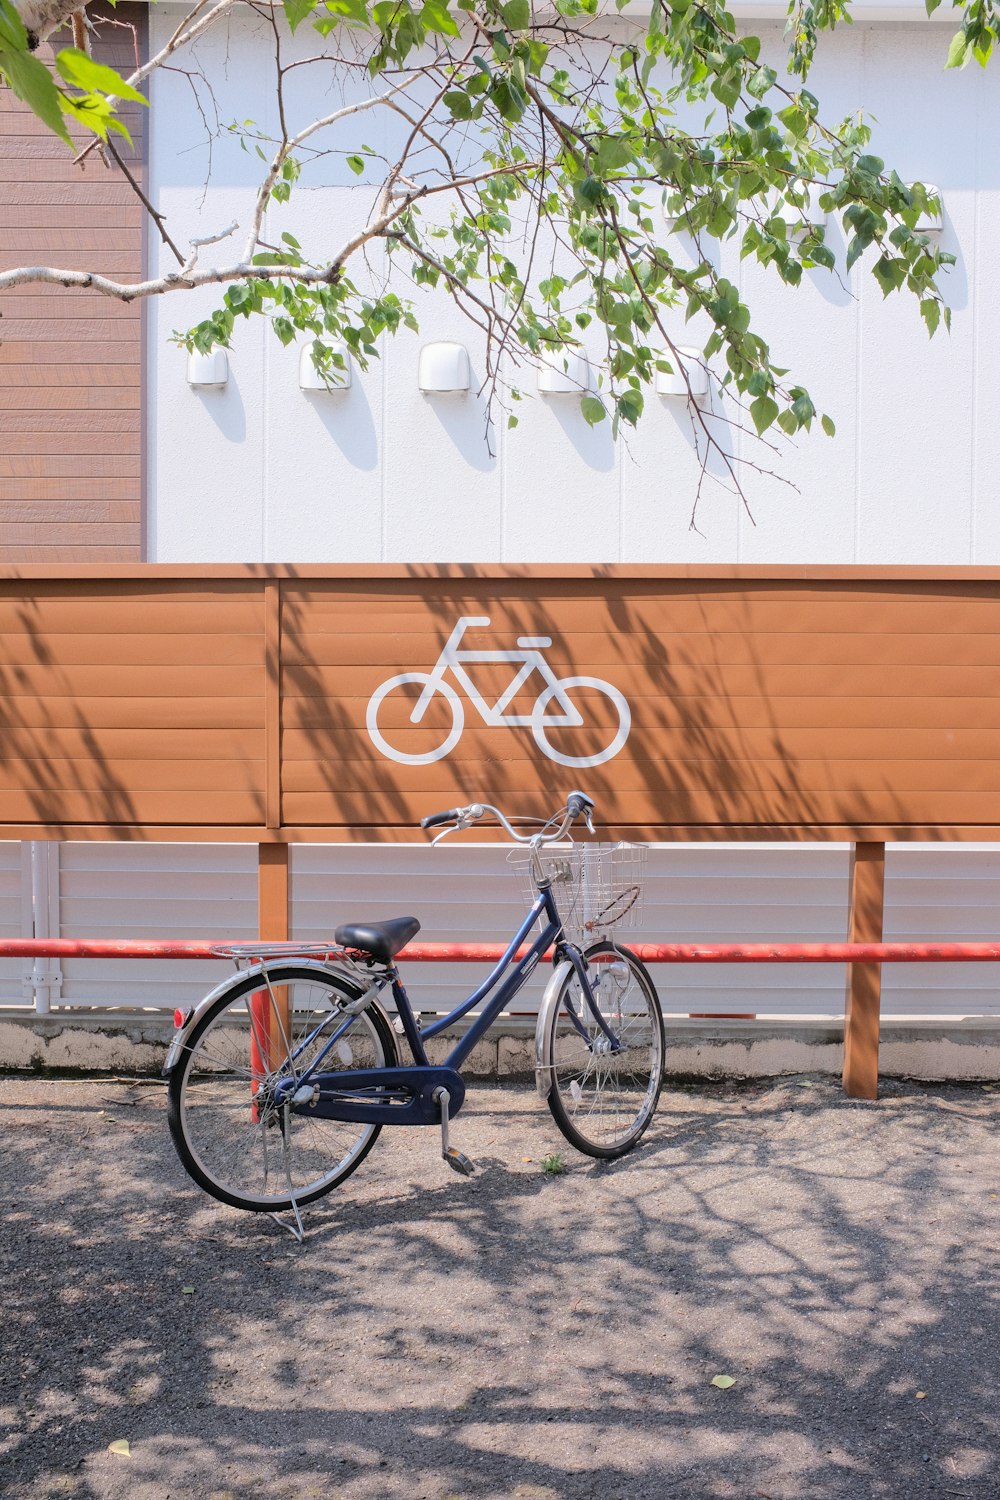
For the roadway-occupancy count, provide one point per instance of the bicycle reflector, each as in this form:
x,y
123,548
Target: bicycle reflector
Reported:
x,y
180,1019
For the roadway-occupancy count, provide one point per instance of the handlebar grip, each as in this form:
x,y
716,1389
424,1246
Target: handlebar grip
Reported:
x,y
577,803
435,820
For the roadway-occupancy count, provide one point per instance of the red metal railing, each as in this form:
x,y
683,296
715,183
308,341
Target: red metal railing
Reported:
x,y
650,953
861,1026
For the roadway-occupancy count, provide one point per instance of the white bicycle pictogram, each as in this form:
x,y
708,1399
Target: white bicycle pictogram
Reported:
x,y
527,658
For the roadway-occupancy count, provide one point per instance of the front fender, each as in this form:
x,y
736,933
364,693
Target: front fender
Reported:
x,y
180,1037
543,1029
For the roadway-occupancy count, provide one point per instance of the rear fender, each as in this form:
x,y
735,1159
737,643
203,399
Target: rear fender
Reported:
x,y
345,976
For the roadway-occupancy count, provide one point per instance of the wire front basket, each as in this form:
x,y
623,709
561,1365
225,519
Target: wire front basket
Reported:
x,y
597,887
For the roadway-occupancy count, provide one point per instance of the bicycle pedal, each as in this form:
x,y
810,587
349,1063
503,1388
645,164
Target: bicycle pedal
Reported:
x,y
459,1162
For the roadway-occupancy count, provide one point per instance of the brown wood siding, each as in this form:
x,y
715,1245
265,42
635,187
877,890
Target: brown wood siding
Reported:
x,y
132,703
71,361
232,703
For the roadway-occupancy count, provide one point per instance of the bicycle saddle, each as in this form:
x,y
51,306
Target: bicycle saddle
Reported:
x,y
382,940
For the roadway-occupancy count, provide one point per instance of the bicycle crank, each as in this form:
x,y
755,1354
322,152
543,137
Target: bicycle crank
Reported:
x,y
457,1160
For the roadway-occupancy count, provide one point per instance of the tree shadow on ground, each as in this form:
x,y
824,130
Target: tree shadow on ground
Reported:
x,y
513,1335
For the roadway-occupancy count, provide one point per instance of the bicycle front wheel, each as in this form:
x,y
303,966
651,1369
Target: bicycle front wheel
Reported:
x,y
605,1082
232,1137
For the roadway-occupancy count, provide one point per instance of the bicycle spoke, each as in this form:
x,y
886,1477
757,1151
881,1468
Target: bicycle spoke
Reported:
x,y
232,1136
604,1090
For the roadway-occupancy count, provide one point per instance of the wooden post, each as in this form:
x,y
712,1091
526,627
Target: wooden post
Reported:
x,y
864,981
272,892
272,708
272,927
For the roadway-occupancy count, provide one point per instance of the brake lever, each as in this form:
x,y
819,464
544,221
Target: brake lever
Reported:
x,y
473,814
589,820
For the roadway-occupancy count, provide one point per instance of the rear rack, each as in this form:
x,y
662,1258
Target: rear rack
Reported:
x,y
247,952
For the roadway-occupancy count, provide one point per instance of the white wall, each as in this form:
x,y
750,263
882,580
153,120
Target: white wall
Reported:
x,y
263,472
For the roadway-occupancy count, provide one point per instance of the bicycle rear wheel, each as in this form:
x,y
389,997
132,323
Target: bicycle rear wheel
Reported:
x,y
231,1137
603,1099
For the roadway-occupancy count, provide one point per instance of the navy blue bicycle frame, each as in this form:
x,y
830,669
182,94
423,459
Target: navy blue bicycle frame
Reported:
x,y
545,906
421,1074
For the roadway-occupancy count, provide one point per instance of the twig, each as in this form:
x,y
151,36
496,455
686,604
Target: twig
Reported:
x,y
154,214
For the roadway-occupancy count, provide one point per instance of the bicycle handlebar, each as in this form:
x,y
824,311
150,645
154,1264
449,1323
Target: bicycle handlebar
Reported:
x,y
435,820
577,804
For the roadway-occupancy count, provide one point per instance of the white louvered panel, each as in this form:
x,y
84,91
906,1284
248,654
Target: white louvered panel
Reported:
x,y
465,893
12,922
697,893
462,893
942,891
752,893
167,891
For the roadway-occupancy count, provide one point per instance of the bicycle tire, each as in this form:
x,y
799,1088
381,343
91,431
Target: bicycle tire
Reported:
x,y
603,1101
228,1143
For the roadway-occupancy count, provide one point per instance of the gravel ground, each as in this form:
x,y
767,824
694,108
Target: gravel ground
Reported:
x,y
512,1334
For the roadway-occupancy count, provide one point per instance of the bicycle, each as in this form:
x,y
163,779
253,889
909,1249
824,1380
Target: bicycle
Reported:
x,y
528,657
282,1078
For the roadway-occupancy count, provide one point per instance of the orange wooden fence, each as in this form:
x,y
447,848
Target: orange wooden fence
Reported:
x,y
261,704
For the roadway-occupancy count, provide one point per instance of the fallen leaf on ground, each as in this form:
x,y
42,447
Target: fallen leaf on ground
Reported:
x,y
121,1448
186,1291
921,1395
723,1381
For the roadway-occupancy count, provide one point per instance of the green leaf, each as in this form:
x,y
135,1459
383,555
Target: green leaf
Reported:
x,y
723,1381
727,88
79,69
889,273
297,10
508,101
34,85
958,52
356,164
592,408
121,1448
613,153
828,426
517,14
459,103
435,16
795,121
803,409
764,411
630,405
761,81
856,249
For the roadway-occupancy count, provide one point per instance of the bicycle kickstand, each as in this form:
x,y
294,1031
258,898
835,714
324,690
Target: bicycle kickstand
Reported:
x,y
457,1160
